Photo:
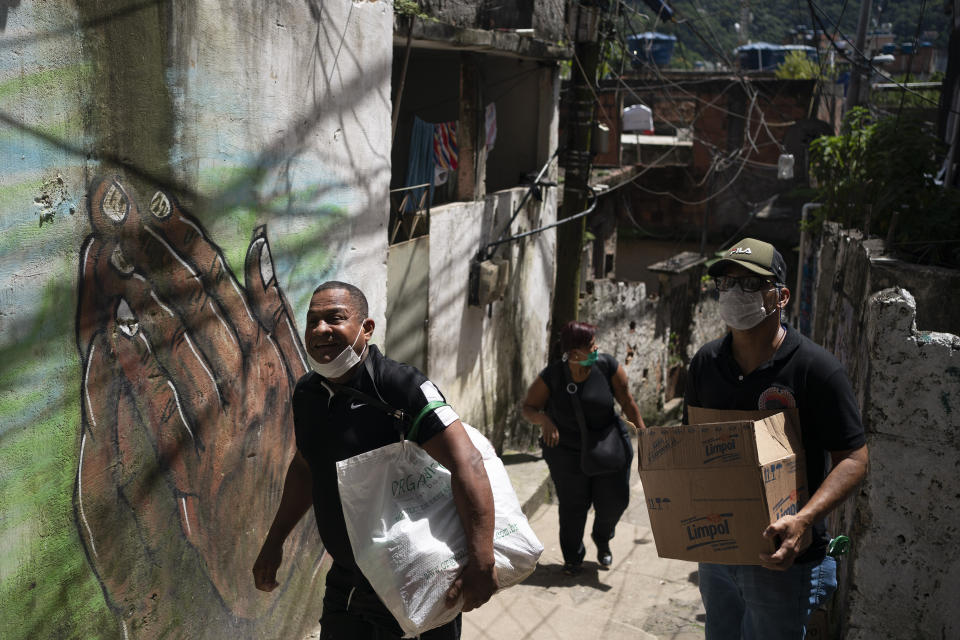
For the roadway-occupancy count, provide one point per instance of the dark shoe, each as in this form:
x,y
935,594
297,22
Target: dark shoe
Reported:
x,y
573,568
604,557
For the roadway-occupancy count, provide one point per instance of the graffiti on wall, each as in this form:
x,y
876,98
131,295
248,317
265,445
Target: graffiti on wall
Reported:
x,y
186,422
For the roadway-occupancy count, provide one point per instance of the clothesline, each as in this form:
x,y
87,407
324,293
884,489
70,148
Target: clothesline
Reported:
x,y
434,151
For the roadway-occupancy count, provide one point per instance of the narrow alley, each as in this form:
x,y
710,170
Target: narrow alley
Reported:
x,y
641,597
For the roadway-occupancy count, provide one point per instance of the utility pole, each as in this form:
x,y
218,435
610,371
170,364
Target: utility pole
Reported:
x,y
744,33
862,63
948,122
581,120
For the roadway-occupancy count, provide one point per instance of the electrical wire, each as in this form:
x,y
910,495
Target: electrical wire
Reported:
x,y
534,187
718,159
627,210
590,82
916,42
866,62
749,90
485,252
593,205
712,195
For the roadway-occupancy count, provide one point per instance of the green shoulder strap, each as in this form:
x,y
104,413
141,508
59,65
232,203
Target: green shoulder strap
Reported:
x,y
412,434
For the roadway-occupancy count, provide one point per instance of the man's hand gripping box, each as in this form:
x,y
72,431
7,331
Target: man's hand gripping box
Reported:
x,y
713,486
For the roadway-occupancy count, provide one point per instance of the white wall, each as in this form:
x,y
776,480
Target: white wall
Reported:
x,y
248,114
484,364
906,568
903,568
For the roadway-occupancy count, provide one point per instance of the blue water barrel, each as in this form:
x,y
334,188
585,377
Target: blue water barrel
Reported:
x,y
763,56
651,48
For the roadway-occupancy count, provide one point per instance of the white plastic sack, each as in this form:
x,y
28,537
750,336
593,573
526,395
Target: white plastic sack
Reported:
x,y
406,534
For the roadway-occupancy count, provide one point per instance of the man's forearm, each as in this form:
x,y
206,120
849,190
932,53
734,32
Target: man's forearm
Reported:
x,y
843,479
474,501
296,499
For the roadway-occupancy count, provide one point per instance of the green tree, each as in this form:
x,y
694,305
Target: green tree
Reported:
x,y
796,66
880,174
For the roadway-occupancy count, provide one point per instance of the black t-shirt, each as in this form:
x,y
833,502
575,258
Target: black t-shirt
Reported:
x,y
596,398
801,374
335,428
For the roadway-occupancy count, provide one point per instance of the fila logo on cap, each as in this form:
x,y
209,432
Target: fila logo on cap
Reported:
x,y
741,250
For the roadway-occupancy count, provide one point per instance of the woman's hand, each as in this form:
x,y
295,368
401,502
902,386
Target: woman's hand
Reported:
x,y
548,432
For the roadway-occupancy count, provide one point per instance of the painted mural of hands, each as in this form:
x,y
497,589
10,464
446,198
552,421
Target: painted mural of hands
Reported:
x,y
186,386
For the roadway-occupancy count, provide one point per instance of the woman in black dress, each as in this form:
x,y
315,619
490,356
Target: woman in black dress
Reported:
x,y
596,379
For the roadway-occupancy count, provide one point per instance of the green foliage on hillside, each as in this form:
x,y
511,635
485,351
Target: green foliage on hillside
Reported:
x,y
879,174
773,20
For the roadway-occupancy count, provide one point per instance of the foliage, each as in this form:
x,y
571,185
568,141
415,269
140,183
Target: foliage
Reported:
x,y
409,9
918,98
879,173
614,58
796,66
773,20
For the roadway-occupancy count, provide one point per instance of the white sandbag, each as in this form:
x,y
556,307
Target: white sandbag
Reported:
x,y
406,534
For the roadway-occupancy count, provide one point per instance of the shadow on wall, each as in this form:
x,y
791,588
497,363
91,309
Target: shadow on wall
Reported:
x,y
185,373
185,409
5,6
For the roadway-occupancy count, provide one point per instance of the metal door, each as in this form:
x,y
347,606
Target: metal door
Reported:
x,y
408,280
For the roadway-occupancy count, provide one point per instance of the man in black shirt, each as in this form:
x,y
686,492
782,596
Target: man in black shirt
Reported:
x,y
763,364
333,426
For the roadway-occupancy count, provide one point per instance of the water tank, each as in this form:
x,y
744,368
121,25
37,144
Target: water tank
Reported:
x,y
651,48
638,118
763,56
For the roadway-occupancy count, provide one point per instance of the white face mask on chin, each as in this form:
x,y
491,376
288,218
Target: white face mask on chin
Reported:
x,y
742,310
347,359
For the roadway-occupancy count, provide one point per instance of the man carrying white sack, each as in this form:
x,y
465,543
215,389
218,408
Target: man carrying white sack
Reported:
x,y
331,427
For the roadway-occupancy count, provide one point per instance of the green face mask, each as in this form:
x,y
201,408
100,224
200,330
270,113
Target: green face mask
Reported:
x,y
591,359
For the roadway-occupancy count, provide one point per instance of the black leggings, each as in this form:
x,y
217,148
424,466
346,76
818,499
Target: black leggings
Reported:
x,y
609,494
352,611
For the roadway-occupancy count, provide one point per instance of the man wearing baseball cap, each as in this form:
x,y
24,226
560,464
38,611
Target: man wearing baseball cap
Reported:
x,y
762,364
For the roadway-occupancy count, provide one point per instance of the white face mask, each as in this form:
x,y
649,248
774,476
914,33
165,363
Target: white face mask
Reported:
x,y
742,310
347,359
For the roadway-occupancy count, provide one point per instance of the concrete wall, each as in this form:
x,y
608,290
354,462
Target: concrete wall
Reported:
x,y
612,305
654,366
175,178
899,580
546,17
485,358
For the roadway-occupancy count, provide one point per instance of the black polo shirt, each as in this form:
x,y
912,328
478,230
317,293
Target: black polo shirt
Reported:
x,y
332,428
801,374
596,399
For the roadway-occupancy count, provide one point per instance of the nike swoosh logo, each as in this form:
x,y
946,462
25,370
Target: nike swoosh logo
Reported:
x,y
357,405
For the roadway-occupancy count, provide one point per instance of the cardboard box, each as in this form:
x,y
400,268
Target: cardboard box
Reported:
x,y
713,486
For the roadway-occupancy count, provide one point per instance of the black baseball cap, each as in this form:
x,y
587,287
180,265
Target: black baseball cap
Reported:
x,y
755,255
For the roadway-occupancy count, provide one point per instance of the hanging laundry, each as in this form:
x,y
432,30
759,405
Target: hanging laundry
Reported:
x,y
445,145
420,163
491,125
445,148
